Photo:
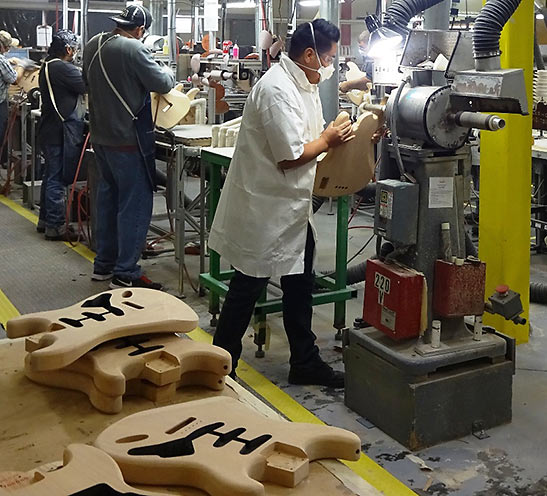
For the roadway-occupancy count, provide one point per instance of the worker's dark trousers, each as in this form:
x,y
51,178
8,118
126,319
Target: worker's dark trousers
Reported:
x,y
297,289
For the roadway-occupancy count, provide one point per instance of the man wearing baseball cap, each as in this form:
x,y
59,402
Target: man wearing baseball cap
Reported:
x,y
60,132
7,76
121,73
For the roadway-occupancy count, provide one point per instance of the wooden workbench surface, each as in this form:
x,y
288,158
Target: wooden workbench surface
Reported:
x,y
38,422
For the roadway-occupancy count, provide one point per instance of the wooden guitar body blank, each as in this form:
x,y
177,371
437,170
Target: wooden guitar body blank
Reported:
x,y
59,337
220,446
159,359
170,108
87,471
67,379
349,167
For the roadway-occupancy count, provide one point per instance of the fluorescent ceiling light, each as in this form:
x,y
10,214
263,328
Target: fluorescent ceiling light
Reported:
x,y
309,3
240,5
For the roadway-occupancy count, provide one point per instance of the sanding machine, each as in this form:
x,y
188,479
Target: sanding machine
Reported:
x,y
420,365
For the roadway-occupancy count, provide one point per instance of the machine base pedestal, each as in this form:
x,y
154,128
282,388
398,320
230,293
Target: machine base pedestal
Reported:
x,y
424,410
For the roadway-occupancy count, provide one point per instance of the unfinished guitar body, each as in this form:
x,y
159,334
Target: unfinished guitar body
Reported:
x,y
220,446
87,471
59,337
354,74
349,167
159,359
76,381
169,109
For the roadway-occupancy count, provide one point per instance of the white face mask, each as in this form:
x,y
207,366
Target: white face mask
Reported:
x,y
324,72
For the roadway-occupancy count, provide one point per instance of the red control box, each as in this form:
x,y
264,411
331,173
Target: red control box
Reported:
x,y
393,299
459,289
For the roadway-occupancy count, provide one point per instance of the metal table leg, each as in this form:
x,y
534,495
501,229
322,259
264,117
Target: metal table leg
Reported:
x,y
214,258
34,151
180,214
342,212
202,223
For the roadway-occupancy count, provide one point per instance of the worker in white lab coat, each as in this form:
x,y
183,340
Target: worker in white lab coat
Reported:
x,y
263,223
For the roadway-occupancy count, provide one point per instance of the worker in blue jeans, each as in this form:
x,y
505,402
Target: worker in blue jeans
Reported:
x,y
60,132
121,73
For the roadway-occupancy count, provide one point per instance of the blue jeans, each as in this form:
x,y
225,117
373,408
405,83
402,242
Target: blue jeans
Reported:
x,y
52,192
124,210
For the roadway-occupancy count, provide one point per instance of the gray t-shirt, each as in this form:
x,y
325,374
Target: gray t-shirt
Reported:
x,y
134,74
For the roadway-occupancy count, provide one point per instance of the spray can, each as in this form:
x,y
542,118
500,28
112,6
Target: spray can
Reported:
x,y
235,51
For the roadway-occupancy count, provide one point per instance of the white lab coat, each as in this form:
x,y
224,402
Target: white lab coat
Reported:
x,y
261,222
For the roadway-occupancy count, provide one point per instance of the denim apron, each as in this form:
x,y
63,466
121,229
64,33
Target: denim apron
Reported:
x,y
73,134
142,120
144,128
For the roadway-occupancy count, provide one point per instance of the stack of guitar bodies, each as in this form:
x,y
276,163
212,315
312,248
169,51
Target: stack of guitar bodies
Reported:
x,y
117,343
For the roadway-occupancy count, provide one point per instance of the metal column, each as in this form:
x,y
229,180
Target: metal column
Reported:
x,y
84,28
438,16
156,9
171,31
505,174
328,91
65,15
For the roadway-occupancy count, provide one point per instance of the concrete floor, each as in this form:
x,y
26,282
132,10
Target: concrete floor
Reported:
x,y
510,462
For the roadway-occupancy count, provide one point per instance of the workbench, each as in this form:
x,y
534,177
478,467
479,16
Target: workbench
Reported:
x,y
37,422
336,291
539,213
182,144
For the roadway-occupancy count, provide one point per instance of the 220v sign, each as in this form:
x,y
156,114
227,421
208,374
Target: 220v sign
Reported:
x,y
382,283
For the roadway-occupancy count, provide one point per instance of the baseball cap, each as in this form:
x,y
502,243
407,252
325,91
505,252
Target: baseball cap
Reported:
x,y
67,38
134,15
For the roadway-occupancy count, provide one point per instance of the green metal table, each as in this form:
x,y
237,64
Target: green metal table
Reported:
x,y
334,287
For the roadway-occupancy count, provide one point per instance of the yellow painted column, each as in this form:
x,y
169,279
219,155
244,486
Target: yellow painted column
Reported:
x,y
505,178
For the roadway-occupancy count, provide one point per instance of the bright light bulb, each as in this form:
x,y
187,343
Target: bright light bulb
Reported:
x,y
539,15
383,45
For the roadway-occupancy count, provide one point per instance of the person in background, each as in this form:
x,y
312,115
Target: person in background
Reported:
x,y
8,76
60,132
120,73
365,63
263,223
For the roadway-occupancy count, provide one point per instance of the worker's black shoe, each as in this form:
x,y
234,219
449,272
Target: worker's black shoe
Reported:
x,y
60,234
99,275
141,282
320,374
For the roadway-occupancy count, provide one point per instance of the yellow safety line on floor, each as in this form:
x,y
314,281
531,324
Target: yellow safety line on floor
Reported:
x,y
79,248
365,467
7,310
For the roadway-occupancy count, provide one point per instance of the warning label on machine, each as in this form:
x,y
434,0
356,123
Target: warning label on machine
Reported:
x,y
441,192
386,204
388,318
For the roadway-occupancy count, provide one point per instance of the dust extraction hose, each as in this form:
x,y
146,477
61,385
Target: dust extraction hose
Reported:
x,y
488,26
399,13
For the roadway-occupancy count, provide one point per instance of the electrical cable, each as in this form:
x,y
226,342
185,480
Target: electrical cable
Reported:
x,y
395,137
73,188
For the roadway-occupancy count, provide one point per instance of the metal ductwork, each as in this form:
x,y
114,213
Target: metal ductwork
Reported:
x,y
487,32
399,13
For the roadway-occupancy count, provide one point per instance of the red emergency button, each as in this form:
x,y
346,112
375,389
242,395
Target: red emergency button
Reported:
x,y
502,289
